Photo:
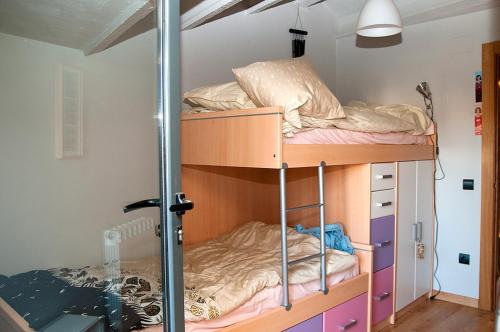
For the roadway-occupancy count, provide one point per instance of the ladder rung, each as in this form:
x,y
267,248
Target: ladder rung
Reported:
x,y
303,259
304,207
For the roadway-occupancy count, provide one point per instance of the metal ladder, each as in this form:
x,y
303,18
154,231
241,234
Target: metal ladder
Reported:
x,y
284,248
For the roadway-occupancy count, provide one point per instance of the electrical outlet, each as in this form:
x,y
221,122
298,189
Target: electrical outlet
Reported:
x,y
464,258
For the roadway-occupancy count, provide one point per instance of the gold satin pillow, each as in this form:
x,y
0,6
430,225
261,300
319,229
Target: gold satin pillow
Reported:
x,y
292,84
219,97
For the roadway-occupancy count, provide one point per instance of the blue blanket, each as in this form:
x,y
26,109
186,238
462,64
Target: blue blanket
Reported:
x,y
334,236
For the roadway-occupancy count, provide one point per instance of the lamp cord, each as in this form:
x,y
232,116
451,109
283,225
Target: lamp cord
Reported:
x,y
437,162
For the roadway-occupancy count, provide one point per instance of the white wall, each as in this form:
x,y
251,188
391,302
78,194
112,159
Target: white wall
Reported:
x,y
53,212
445,53
210,52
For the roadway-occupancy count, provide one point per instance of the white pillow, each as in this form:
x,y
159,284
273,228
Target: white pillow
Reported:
x,y
292,84
220,97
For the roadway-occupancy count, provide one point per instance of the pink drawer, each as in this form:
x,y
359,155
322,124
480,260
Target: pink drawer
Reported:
x,y
382,294
314,324
349,316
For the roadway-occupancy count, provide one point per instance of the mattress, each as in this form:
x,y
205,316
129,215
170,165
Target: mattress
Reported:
x,y
341,136
264,301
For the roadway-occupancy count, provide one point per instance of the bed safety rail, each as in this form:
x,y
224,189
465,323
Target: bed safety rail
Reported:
x,y
285,263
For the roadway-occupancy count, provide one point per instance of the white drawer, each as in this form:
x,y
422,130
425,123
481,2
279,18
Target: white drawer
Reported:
x,y
383,203
383,176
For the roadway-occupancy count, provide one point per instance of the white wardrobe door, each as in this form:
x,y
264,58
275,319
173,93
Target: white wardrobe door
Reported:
x,y
405,269
425,215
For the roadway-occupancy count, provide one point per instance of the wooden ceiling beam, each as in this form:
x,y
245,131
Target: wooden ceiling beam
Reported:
x,y
122,23
263,5
204,11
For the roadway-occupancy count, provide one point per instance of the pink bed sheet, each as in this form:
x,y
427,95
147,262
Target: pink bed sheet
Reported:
x,y
341,136
263,301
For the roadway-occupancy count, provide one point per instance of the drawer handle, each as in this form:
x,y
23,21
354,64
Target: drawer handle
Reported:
x,y
383,204
383,176
383,244
347,326
381,296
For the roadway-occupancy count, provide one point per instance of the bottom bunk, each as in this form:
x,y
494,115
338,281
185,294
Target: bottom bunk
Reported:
x,y
232,283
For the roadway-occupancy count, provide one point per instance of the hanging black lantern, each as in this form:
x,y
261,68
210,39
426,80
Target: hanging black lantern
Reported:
x,y
298,42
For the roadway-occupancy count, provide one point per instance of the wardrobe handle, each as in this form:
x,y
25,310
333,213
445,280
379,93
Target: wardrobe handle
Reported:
x,y
381,296
419,231
383,176
414,232
347,326
383,204
383,244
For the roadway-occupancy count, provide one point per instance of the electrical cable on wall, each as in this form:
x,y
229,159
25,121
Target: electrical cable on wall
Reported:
x,y
423,89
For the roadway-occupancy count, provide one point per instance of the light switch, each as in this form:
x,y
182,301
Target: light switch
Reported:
x,y
468,184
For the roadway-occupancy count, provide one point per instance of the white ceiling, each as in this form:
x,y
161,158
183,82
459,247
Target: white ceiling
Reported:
x,y
79,24
94,25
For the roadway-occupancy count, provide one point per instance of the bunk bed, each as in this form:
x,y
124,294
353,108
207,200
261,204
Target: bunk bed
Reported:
x,y
242,153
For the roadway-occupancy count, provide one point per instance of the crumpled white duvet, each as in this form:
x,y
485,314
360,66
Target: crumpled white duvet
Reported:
x,y
374,118
222,274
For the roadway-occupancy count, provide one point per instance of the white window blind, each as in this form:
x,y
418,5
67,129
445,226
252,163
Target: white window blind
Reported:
x,y
69,112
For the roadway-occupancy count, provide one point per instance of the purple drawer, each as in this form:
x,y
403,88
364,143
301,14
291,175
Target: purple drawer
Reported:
x,y
382,237
314,324
382,294
350,316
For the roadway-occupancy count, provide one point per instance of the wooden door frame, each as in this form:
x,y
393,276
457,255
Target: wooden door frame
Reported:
x,y
488,244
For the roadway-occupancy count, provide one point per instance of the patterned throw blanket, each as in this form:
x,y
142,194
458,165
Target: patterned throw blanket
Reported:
x,y
138,286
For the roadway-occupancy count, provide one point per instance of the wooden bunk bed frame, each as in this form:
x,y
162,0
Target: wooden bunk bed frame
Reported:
x,y
238,153
253,138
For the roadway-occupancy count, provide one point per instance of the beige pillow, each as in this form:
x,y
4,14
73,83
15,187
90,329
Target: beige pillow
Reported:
x,y
292,84
220,97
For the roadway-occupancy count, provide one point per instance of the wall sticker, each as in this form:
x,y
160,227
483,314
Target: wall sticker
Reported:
x,y
478,109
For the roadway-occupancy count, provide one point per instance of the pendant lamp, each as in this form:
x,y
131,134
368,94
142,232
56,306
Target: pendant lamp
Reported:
x,y
379,18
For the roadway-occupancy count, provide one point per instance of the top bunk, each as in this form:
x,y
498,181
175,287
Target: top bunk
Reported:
x,y
253,138
280,114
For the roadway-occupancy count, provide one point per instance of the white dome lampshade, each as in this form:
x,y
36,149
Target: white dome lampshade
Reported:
x,y
379,18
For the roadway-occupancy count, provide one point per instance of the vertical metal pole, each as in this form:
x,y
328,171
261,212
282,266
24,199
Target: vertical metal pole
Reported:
x,y
321,184
169,106
284,247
